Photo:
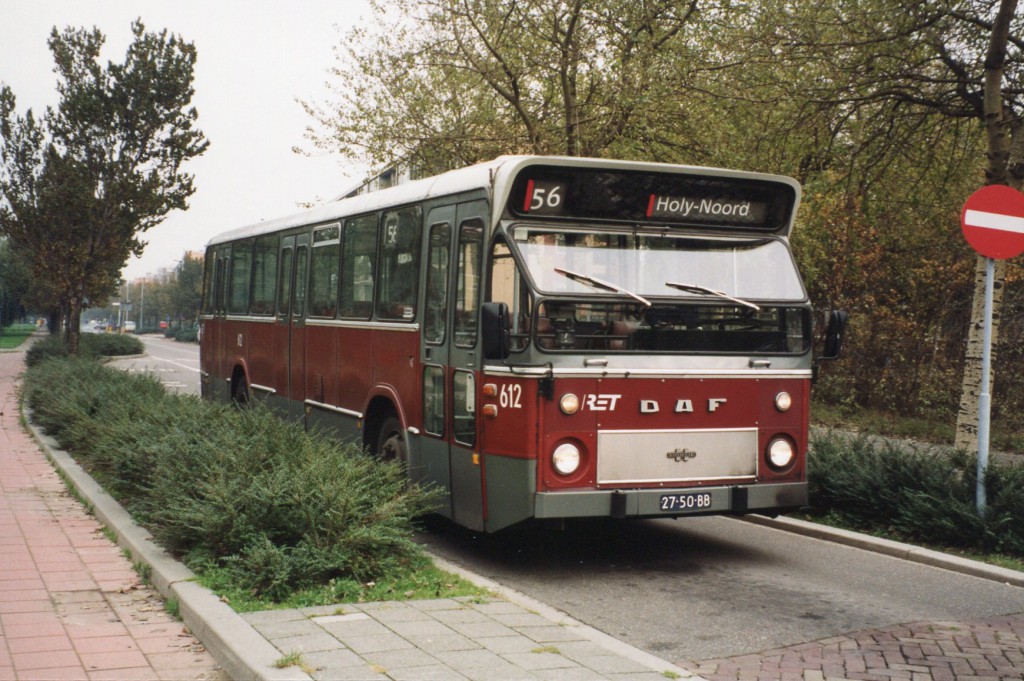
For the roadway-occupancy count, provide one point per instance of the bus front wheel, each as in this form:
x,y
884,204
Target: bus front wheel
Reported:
x,y
391,445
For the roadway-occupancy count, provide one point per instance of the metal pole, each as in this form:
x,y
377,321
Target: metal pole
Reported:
x,y
985,399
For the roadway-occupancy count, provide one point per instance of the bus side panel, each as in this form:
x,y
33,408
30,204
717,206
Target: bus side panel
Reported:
x,y
509,440
210,351
259,345
395,363
321,356
512,431
355,357
511,483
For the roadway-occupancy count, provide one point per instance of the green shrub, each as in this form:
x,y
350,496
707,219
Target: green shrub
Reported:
x,y
922,495
112,344
44,348
279,508
90,345
189,335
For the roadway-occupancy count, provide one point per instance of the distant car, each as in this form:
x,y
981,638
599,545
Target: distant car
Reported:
x,y
129,327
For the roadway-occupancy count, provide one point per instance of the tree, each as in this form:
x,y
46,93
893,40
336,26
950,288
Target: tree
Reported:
x,y
14,285
80,187
443,83
185,290
886,77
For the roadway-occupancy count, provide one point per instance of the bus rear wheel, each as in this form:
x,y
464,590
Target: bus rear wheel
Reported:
x,y
391,445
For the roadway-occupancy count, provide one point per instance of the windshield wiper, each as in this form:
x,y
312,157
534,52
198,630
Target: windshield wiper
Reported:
x,y
594,282
694,288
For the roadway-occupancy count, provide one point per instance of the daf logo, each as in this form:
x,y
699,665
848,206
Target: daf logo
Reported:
x,y
681,455
680,406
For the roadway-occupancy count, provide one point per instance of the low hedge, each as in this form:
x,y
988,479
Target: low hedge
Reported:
x,y
919,495
236,489
90,345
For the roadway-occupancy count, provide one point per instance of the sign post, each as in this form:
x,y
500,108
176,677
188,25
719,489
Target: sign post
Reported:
x,y
993,224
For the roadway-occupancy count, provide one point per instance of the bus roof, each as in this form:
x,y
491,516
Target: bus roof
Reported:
x,y
498,172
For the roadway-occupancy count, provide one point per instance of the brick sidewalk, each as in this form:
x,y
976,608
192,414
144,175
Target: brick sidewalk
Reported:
x,y
942,651
71,606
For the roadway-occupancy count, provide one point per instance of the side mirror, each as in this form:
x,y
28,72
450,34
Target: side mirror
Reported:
x,y
495,330
837,320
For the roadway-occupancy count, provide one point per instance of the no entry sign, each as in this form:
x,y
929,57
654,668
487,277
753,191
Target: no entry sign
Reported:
x,y
993,222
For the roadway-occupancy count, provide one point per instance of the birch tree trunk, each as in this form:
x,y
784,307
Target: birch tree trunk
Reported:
x,y
967,416
999,130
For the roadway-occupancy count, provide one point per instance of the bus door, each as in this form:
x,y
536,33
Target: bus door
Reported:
x,y
291,312
449,456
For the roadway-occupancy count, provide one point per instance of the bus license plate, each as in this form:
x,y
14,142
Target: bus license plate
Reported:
x,y
689,501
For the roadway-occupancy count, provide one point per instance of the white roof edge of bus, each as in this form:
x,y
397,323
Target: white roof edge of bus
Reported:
x,y
469,178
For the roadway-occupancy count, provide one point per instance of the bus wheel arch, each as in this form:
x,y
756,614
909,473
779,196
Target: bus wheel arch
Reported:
x,y
383,433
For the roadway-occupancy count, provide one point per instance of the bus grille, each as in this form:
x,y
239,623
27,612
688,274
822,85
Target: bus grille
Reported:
x,y
644,456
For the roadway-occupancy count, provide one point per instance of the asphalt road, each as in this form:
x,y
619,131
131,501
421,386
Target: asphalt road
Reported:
x,y
703,588
175,364
691,589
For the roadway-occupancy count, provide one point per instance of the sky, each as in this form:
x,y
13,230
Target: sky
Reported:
x,y
255,59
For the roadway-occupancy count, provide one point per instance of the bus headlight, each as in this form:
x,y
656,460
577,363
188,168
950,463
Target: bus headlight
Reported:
x,y
781,453
566,458
783,401
569,404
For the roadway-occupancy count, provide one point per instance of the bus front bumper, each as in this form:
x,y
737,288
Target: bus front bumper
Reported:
x,y
653,503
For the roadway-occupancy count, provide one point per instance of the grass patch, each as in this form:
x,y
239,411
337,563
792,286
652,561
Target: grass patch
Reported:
x,y
292,659
14,335
420,580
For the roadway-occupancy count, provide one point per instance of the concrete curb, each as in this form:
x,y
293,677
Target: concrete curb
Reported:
x,y
243,652
892,548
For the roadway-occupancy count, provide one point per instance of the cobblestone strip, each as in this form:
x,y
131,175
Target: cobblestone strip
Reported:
x,y
970,650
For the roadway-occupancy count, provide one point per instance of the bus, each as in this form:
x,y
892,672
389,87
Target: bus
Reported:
x,y
537,337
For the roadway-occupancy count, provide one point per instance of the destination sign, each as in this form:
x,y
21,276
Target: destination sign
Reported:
x,y
704,208
718,202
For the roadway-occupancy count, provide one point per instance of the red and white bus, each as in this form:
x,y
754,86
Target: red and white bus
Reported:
x,y
538,337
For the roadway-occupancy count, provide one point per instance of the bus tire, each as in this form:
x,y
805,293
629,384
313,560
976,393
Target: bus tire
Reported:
x,y
391,445
240,396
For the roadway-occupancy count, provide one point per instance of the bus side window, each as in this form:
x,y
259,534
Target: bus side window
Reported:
x,y
241,261
323,275
507,287
358,266
208,273
435,316
220,280
399,264
264,275
299,307
467,302
433,400
284,282
464,407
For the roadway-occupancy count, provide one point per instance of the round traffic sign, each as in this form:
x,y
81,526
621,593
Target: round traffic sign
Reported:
x,y
993,221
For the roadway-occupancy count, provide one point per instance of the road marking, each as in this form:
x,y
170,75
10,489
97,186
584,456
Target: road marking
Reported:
x,y
177,364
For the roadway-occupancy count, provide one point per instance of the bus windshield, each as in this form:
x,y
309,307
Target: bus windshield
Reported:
x,y
651,265
664,293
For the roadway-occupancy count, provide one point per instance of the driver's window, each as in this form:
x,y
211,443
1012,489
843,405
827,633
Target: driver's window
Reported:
x,y
507,287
